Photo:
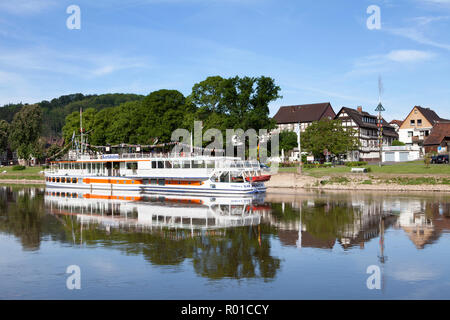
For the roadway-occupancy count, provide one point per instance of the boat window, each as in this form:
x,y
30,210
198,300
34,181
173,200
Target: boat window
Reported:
x,y
131,165
236,177
224,208
161,182
210,164
176,164
186,164
168,164
198,164
153,181
154,164
74,180
160,164
57,179
225,177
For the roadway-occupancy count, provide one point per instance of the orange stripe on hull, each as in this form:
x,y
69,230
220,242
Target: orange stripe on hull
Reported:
x,y
111,181
104,197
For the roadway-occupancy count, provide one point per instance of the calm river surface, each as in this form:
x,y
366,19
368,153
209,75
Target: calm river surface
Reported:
x,y
277,246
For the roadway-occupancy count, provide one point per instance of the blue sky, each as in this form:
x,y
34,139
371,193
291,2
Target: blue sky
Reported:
x,y
317,51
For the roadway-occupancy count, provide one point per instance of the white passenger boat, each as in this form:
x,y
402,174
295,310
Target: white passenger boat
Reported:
x,y
156,173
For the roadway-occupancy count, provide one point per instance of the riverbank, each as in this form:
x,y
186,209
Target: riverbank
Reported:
x,y
367,182
18,181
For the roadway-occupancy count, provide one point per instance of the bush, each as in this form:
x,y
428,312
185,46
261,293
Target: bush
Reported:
x,y
397,143
288,164
356,163
317,165
18,168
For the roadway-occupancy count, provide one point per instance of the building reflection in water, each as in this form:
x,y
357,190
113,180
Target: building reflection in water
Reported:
x,y
423,221
352,219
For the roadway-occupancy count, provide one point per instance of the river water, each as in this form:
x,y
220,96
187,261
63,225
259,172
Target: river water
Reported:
x,y
311,245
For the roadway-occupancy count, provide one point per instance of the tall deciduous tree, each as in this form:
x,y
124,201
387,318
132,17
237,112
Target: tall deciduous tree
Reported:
x,y
73,123
234,102
25,131
329,135
4,133
288,140
161,112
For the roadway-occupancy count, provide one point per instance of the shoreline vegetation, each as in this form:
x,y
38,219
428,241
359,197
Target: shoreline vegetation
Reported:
x,y
411,176
398,177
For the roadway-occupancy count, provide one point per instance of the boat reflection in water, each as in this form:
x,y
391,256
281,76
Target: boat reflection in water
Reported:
x,y
222,237
138,211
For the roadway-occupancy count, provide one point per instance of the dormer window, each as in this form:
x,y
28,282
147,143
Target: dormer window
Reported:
x,y
413,122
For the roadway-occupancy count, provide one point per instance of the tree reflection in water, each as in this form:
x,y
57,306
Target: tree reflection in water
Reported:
x,y
22,215
237,252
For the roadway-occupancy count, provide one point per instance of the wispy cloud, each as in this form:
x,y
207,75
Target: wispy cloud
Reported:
x,y
24,7
419,27
425,20
437,2
381,63
83,65
409,56
418,36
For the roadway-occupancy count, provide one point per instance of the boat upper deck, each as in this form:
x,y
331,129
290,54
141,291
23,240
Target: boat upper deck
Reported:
x,y
136,164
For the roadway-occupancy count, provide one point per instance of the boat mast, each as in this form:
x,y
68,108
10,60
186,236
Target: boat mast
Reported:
x,y
81,129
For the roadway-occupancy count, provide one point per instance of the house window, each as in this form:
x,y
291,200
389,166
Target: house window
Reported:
x,y
419,122
413,122
410,134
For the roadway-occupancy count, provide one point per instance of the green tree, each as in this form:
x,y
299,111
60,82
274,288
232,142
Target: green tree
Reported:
x,y
234,102
161,113
4,133
73,123
288,140
397,143
329,135
25,131
53,150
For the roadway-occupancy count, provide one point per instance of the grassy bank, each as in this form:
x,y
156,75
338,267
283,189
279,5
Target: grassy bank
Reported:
x,y
409,168
30,173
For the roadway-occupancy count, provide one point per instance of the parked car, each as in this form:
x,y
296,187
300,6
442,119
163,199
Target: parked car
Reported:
x,y
442,158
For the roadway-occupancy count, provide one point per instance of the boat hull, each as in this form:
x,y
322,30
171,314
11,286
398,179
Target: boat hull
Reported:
x,y
206,187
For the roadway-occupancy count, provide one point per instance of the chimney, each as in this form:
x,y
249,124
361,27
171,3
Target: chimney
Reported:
x,y
359,109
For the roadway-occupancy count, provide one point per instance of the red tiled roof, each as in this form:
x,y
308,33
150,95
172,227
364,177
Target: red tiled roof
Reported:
x,y
301,113
397,122
440,131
